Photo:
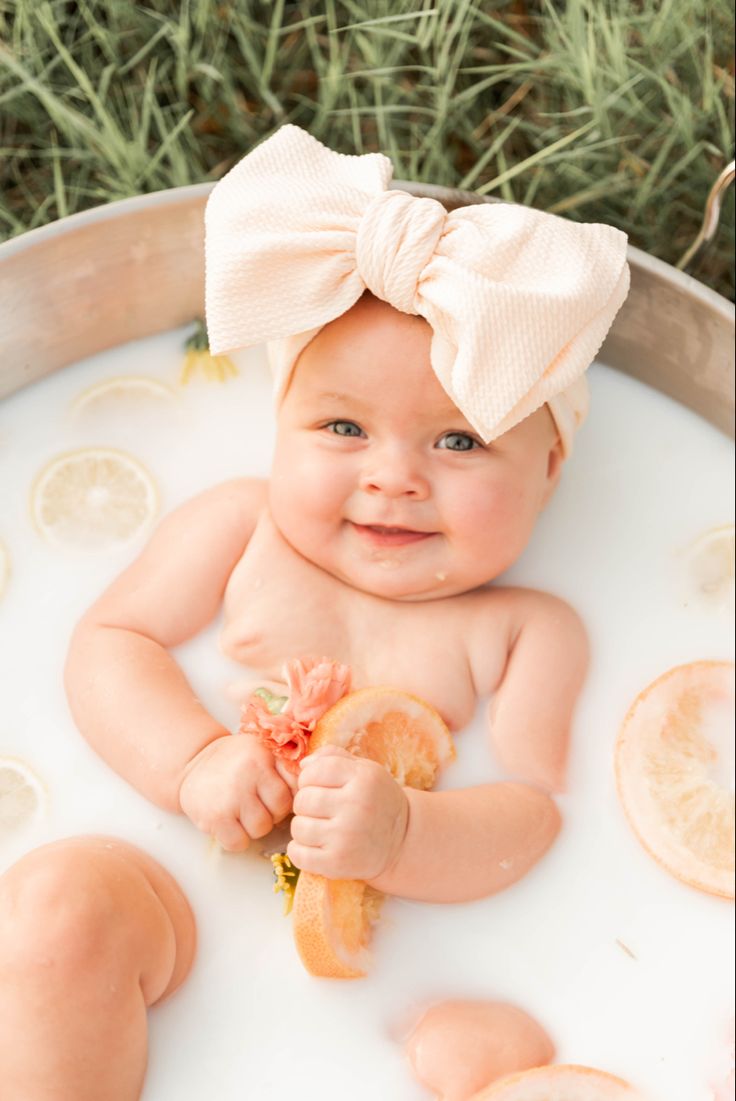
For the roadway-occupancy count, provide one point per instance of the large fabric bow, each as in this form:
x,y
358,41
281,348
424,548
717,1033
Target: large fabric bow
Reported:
x,y
519,301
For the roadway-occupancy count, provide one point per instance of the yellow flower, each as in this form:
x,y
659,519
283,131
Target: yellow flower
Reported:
x,y
286,876
198,357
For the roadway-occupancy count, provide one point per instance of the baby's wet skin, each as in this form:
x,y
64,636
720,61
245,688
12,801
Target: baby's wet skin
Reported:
x,y
458,1047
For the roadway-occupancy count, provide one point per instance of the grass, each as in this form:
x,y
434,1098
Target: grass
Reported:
x,y
603,110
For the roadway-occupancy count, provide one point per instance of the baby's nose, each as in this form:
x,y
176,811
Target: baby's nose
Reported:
x,y
395,473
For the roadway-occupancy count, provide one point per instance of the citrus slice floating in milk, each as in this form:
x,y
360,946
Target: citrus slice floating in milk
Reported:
x,y
21,794
123,393
93,498
559,1083
333,918
4,567
710,567
674,768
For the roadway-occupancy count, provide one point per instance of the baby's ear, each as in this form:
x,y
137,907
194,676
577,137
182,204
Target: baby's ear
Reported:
x,y
555,461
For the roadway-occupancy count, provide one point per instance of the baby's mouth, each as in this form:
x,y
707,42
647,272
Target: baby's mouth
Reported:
x,y
380,535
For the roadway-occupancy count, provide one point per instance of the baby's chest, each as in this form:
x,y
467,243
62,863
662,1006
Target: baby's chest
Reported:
x,y
421,660
278,607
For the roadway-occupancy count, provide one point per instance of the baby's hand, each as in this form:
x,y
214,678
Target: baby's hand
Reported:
x,y
235,790
350,816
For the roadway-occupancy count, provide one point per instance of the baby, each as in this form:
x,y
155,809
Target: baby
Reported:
x,y
425,408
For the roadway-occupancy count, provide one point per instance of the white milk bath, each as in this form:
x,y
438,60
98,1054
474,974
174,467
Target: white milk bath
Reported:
x,y
628,969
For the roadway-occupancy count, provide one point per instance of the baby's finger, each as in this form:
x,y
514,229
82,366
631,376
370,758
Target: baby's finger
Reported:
x,y
311,832
327,771
256,820
289,776
230,835
326,751
276,797
317,802
309,859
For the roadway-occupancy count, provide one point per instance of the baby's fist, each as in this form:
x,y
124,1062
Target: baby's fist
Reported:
x,y
234,790
350,816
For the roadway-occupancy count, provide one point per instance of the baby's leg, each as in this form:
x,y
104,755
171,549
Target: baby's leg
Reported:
x,y
92,932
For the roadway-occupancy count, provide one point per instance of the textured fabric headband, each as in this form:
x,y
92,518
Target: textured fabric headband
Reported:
x,y
519,301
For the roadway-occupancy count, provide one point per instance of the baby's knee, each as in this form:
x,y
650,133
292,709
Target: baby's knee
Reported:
x,y
85,905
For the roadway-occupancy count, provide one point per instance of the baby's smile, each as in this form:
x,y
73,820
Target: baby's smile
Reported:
x,y
380,536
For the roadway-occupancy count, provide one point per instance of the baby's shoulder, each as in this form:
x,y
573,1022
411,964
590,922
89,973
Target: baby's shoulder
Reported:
x,y
511,608
498,616
236,503
235,494
212,528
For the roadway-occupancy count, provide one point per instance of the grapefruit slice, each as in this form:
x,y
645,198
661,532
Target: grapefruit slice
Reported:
x,y
559,1083
333,918
674,770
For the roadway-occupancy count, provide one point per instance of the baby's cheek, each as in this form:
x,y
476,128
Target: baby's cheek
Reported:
x,y
307,503
496,524
495,508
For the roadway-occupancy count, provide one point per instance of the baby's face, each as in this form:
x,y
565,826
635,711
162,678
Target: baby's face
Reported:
x,y
380,480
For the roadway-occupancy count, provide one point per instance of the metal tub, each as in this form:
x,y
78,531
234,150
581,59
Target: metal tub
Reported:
x,y
133,268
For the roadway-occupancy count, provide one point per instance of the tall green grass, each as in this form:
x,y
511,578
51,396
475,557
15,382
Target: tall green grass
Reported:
x,y
612,110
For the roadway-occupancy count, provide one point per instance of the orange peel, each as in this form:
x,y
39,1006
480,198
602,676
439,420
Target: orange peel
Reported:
x,y
559,1083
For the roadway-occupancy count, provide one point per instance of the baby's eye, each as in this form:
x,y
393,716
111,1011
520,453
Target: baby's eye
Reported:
x,y
345,428
457,441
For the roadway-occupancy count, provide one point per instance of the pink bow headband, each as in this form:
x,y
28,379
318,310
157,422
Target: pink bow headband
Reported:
x,y
519,301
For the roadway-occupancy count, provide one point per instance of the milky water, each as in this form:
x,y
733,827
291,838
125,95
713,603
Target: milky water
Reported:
x,y
628,969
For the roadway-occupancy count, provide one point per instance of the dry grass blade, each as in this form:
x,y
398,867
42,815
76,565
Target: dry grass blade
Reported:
x,y
612,110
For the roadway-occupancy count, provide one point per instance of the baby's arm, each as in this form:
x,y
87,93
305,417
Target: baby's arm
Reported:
x,y
458,845
532,706
129,697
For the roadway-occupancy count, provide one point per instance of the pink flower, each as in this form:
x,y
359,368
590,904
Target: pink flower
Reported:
x,y
282,734
315,684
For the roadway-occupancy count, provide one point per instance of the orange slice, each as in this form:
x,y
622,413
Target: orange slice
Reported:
x,y
674,769
559,1083
333,918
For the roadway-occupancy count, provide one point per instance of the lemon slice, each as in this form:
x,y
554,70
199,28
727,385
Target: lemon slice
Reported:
x,y
93,498
21,794
710,566
4,567
123,394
